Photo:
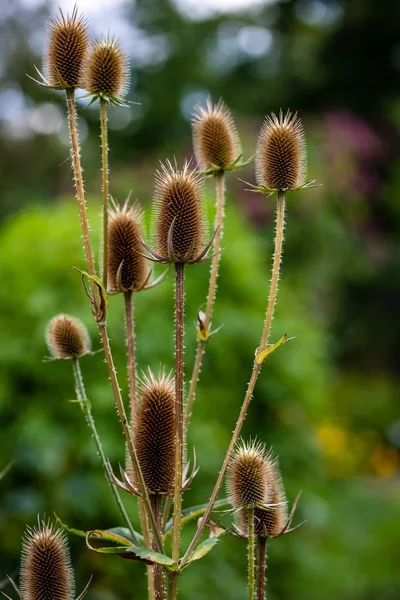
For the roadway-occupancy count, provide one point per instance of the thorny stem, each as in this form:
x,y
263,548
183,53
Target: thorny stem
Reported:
x,y
157,569
212,286
105,173
78,179
86,409
172,586
261,564
179,364
250,555
280,224
130,344
127,433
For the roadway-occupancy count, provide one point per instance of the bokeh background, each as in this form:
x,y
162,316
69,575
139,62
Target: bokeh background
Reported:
x,y
329,401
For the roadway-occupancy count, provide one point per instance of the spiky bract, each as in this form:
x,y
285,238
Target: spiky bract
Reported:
x,y
106,70
215,137
179,225
281,159
66,50
155,432
46,572
127,269
67,337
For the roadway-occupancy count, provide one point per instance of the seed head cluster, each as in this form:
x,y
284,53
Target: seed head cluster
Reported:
x,y
178,206
66,50
106,70
67,337
46,572
215,137
155,433
281,160
254,481
127,269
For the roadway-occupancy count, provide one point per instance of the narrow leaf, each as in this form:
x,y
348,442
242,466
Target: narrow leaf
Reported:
x,y
193,512
205,547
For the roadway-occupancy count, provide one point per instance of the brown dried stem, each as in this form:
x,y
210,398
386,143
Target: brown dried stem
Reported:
x,y
280,223
261,565
105,173
158,575
130,345
201,346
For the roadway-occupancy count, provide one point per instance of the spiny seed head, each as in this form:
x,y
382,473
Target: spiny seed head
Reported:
x,y
67,337
177,199
127,269
46,572
281,160
66,50
215,137
269,522
155,432
249,475
106,70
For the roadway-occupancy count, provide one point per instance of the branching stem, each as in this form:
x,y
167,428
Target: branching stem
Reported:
x,y
280,223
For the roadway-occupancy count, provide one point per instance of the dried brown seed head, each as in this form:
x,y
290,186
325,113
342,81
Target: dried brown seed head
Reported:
x,y
281,160
127,269
66,50
249,480
46,572
178,206
155,432
106,70
215,137
269,522
67,337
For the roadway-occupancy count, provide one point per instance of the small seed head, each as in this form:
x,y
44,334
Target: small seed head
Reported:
x,y
215,137
271,521
155,433
281,160
127,269
67,337
249,476
177,198
106,70
66,50
46,571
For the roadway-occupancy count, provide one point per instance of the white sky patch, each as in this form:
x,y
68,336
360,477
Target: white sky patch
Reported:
x,y
203,9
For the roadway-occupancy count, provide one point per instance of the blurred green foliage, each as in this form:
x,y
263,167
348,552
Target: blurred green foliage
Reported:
x,y
328,401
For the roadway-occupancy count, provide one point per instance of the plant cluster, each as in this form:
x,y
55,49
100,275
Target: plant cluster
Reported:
x,y
157,469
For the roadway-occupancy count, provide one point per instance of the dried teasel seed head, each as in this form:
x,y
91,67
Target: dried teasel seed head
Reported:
x,y
67,337
177,198
66,50
106,70
155,432
127,269
281,159
249,475
269,522
215,137
46,571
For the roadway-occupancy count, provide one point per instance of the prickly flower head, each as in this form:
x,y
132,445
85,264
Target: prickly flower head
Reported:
x,y
46,572
281,160
179,225
66,50
67,337
215,137
106,70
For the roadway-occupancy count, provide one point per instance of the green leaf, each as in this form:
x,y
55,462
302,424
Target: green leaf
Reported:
x,y
205,547
193,512
144,554
270,349
109,535
118,535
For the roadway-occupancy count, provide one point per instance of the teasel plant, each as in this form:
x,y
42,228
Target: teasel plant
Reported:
x,y
46,569
157,469
217,149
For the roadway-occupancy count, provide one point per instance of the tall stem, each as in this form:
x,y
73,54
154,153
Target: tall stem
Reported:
x,y
261,564
157,569
105,173
78,179
130,344
179,364
250,556
212,286
86,408
280,224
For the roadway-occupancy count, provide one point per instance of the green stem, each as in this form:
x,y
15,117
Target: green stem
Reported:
x,y
157,569
280,223
251,556
105,186
261,565
130,344
212,286
86,408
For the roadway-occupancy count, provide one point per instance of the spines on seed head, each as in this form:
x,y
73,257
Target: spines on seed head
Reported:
x,y
67,337
281,158
106,70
